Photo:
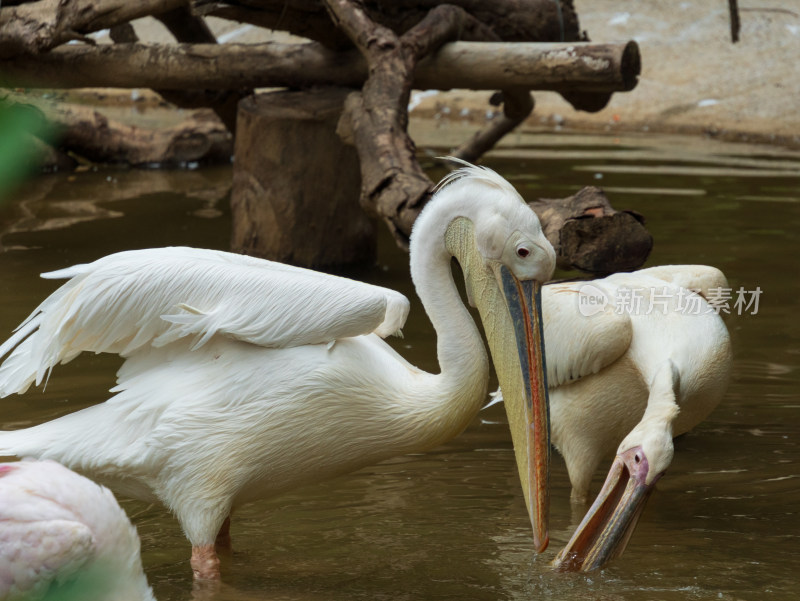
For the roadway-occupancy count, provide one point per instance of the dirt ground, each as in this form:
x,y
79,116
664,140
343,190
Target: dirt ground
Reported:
x,y
694,80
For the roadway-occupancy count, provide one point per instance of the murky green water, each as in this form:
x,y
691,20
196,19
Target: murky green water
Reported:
x,y
725,520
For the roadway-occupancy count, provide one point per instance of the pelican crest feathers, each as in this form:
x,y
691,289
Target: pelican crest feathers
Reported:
x,y
477,173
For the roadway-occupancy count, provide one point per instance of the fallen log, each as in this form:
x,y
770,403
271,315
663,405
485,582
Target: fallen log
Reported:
x,y
561,67
87,133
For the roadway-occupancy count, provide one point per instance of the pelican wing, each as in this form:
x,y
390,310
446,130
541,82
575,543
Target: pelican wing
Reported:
x,y
131,300
698,278
579,343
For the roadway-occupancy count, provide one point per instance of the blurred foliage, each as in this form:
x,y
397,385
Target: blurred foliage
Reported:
x,y
20,125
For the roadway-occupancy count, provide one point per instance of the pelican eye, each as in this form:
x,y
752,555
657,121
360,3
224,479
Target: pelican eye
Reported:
x,y
523,252
637,458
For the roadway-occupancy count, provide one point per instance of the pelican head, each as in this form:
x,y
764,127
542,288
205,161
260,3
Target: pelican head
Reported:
x,y
642,458
498,241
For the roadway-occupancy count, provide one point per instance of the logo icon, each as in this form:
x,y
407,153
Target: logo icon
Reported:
x,y
591,300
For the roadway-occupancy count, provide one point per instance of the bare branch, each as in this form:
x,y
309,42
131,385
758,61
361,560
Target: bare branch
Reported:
x,y
517,105
733,8
394,186
39,26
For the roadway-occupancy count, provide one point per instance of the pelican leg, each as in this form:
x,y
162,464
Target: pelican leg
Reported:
x,y
223,540
202,522
581,465
205,563
580,475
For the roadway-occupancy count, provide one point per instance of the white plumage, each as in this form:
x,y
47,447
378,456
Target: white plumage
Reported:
x,y
668,358
636,371
63,537
245,378
632,360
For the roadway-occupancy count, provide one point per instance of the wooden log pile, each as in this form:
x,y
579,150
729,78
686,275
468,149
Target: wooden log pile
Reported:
x,y
381,50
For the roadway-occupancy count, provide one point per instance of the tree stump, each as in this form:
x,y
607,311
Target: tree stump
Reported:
x,y
296,185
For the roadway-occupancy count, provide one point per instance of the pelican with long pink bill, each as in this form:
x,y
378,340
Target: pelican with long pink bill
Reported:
x,y
624,379
643,457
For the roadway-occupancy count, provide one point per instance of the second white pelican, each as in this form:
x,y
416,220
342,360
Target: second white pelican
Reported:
x,y
632,360
245,378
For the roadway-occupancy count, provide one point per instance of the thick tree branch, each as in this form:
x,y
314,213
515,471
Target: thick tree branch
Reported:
x,y
442,24
517,105
394,186
510,20
39,26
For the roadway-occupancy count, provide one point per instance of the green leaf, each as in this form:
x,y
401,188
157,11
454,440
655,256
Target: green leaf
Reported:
x,y
19,125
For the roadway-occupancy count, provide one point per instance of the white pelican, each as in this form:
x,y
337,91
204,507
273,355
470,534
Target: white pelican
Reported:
x,y
632,360
245,378
64,537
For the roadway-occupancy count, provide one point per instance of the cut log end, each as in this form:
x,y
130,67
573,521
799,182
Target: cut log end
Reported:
x,y
631,65
603,245
589,235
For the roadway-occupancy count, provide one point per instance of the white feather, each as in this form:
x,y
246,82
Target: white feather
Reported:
x,y
128,301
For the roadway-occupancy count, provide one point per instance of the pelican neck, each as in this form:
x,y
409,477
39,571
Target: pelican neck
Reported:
x,y
462,357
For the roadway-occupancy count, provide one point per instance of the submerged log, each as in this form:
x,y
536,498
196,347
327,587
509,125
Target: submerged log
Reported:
x,y
589,235
296,184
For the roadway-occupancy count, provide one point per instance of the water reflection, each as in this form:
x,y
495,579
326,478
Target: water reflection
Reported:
x,y
451,523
